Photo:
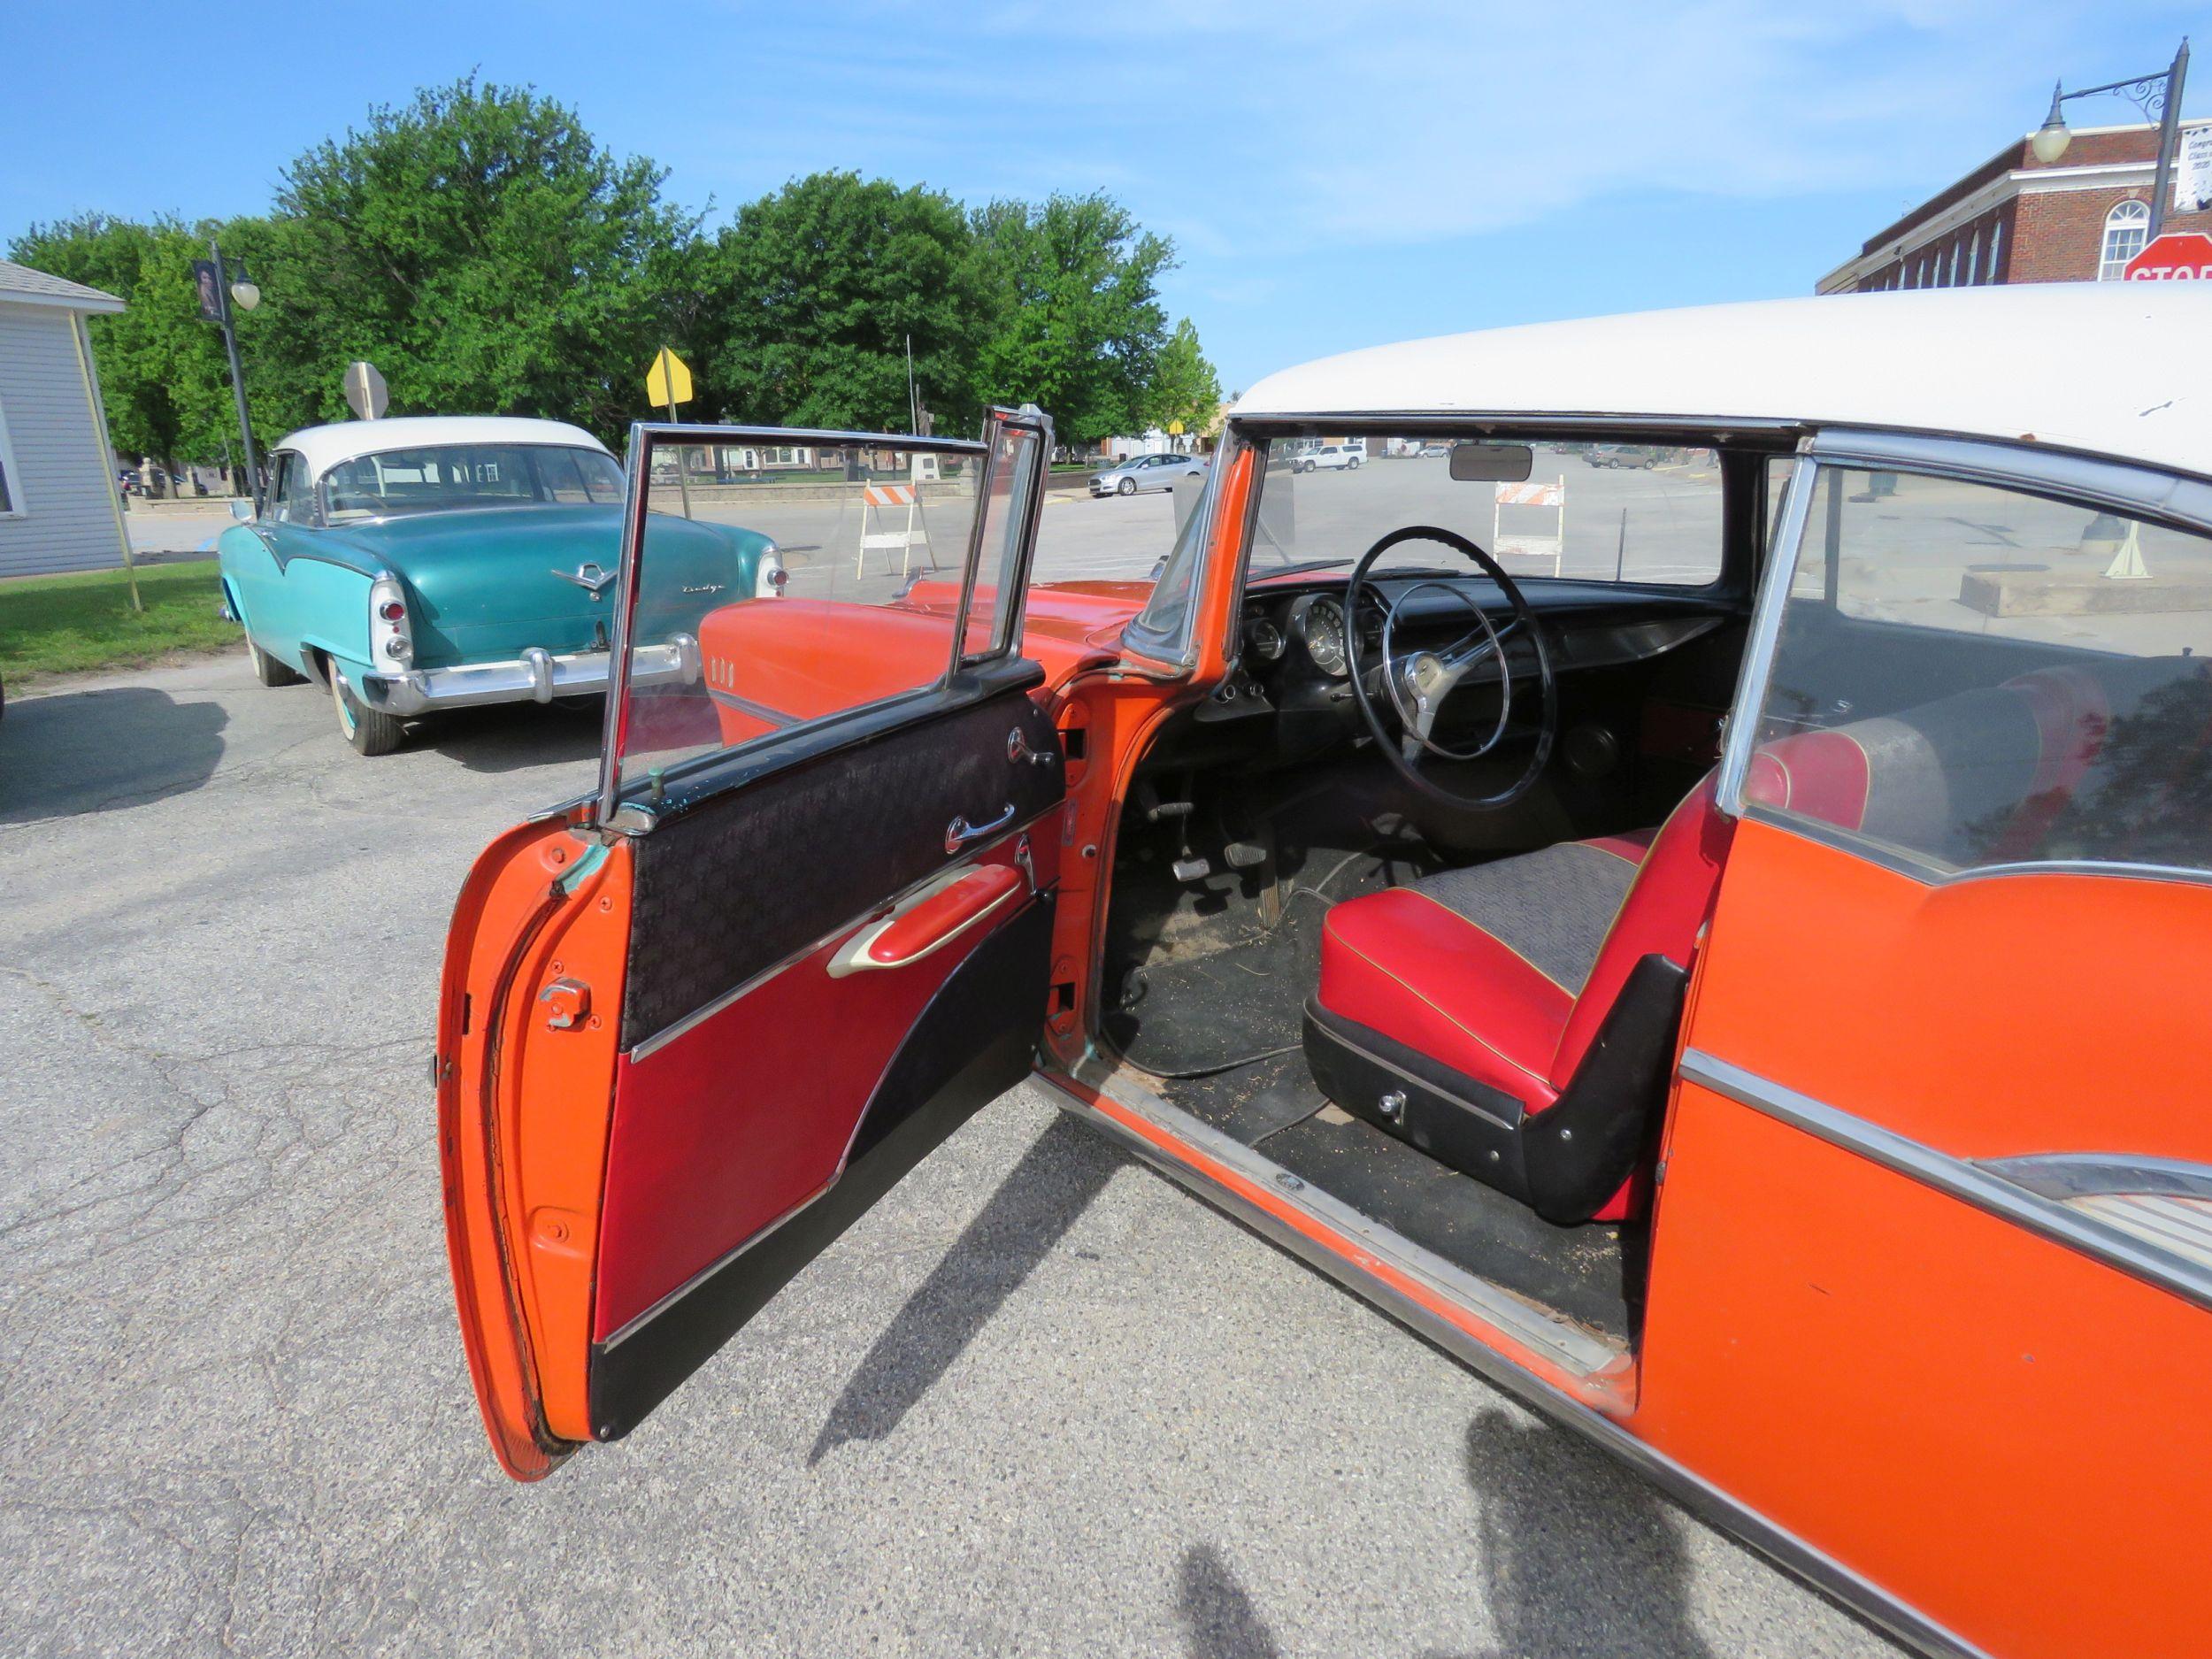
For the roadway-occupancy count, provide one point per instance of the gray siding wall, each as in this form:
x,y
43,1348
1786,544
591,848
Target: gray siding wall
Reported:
x,y
60,478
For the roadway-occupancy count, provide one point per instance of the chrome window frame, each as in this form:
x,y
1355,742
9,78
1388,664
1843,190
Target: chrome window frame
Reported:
x,y
637,469
2180,501
1179,650
1007,625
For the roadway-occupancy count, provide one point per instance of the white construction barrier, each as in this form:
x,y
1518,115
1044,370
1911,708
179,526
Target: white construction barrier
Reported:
x,y
878,501
1523,544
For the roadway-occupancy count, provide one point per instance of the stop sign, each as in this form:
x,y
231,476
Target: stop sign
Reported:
x,y
2179,254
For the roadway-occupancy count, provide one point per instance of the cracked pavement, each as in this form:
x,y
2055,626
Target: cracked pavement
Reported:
x,y
1039,1401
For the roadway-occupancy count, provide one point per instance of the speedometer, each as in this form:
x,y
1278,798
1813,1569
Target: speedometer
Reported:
x,y
1319,622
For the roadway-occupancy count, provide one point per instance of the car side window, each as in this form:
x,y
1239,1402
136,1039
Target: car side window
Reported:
x,y
1967,675
779,596
291,501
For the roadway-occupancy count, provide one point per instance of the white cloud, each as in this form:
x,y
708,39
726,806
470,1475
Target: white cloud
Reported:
x,y
1289,126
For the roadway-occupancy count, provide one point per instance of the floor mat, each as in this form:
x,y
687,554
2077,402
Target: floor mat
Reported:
x,y
1238,994
1249,1103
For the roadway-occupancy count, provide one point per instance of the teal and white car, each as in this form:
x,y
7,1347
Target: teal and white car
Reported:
x,y
416,565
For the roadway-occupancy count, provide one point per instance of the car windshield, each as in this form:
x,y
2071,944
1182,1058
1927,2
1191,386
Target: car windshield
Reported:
x,y
441,478
1641,513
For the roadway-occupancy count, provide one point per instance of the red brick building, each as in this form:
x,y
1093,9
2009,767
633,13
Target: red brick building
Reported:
x,y
2017,219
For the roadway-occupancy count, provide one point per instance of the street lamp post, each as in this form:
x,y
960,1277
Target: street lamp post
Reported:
x,y
247,297
2158,96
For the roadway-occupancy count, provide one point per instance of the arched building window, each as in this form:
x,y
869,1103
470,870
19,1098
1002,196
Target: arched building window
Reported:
x,y
1974,261
1996,247
2126,228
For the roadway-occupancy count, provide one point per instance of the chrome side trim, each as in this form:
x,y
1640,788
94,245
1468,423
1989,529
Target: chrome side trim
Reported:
x,y
1975,1184
2064,1175
1567,1345
1935,873
1687,1487
760,712
2179,1226
1766,634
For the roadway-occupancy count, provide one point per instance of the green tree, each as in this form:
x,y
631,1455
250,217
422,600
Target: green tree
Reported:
x,y
817,289
162,372
1183,386
1075,323
483,250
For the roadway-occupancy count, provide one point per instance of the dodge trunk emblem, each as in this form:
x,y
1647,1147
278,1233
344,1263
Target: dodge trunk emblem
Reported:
x,y
589,576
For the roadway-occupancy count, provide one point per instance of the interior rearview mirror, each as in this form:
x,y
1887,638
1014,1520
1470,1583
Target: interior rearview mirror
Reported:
x,y
1491,463
242,510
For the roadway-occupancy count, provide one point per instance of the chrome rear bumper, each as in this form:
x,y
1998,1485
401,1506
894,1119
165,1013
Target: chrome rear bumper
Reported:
x,y
536,676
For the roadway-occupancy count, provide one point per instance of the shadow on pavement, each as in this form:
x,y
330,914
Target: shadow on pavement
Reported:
x,y
1219,1618
80,751
1064,1169
1578,1557
508,736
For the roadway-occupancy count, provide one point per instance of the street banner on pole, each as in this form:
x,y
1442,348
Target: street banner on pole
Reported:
x,y
208,282
2192,169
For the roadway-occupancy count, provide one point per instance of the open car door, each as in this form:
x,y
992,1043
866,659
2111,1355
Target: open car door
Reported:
x,y
693,1028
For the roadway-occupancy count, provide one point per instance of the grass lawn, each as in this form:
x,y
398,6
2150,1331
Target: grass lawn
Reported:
x,y
59,625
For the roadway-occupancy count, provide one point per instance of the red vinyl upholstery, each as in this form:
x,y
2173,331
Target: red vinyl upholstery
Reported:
x,y
1504,972
2014,753
1401,963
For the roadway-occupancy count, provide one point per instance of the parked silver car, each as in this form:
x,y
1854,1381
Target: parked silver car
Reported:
x,y
1146,471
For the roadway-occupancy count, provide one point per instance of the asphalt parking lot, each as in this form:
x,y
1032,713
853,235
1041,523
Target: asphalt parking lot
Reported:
x,y
1039,1402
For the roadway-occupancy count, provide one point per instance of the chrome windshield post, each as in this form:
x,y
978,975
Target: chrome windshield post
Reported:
x,y
1766,634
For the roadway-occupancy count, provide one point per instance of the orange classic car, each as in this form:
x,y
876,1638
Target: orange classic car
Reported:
x,y
1721,947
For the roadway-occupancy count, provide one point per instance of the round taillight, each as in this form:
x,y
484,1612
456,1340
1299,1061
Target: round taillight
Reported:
x,y
778,577
392,610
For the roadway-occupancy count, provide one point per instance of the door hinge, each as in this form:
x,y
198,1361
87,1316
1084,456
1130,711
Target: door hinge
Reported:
x,y
569,1000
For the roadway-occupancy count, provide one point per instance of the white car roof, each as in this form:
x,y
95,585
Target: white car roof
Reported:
x,y
2121,369
323,447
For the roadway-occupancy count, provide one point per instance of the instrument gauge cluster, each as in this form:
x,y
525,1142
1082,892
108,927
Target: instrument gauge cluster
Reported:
x,y
1264,641
1319,622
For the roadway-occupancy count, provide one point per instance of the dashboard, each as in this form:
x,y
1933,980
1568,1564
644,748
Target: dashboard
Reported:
x,y
1296,650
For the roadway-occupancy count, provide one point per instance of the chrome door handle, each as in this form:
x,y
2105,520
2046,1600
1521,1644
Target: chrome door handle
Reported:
x,y
959,833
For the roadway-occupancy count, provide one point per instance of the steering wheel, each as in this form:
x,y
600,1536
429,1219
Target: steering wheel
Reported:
x,y
1417,682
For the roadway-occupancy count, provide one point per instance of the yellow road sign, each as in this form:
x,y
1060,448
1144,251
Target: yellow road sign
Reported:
x,y
668,382
1174,428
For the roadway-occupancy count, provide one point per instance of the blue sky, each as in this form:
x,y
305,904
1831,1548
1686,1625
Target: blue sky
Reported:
x,y
1334,175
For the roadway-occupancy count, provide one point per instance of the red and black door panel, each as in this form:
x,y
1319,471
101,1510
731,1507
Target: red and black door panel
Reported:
x,y
788,1055
693,1029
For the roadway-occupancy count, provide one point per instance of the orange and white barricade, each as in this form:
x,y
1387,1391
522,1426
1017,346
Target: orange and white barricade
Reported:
x,y
879,505
1527,544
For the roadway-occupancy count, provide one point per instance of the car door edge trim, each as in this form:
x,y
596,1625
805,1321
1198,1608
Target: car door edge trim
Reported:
x,y
1981,1184
1826,1574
